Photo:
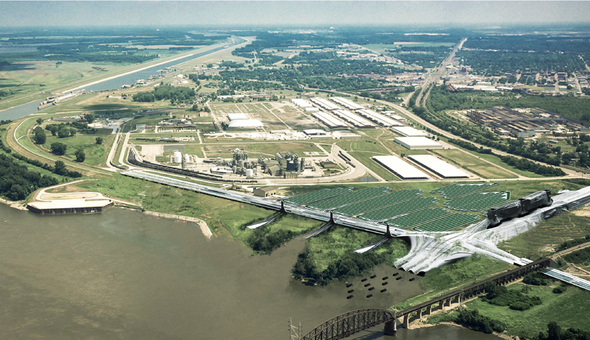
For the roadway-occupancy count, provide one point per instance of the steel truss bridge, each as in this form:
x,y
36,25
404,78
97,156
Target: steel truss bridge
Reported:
x,y
352,322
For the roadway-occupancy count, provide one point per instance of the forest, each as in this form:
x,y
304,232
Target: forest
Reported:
x,y
176,94
17,182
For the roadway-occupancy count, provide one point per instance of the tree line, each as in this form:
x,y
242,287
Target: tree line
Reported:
x,y
17,182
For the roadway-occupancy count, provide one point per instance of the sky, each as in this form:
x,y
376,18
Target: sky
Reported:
x,y
289,13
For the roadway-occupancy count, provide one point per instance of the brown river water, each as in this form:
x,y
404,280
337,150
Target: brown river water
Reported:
x,y
125,275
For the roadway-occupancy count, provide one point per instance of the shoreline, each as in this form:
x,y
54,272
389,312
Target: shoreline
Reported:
x,y
202,224
20,205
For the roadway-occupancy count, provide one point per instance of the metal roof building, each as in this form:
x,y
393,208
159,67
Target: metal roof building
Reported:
x,y
329,121
325,104
418,143
236,116
400,168
245,123
301,102
349,104
378,118
438,166
408,131
353,119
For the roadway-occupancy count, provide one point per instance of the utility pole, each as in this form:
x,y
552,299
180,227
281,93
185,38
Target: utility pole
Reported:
x,y
295,332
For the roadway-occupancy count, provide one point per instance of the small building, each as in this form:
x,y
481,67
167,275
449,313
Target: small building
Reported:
x,y
328,164
69,206
265,191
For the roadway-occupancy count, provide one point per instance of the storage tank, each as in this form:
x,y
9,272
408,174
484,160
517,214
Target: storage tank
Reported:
x,y
249,172
187,158
177,157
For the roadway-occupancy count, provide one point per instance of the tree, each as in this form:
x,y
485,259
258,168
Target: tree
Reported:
x,y
98,140
39,121
60,168
58,148
89,118
80,155
63,132
40,137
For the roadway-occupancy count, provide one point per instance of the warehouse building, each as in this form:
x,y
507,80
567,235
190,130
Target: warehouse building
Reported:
x,y
418,143
378,118
349,104
400,168
354,119
325,104
329,121
302,103
408,131
438,166
241,121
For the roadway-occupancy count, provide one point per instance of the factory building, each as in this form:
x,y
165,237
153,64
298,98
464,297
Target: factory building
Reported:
x,y
378,118
240,120
408,131
329,121
353,119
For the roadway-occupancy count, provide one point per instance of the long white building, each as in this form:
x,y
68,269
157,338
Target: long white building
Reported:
x,y
325,104
439,167
400,168
329,121
353,119
349,104
302,103
378,118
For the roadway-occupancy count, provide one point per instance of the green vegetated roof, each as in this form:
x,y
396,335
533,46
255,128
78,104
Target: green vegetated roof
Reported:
x,y
478,201
350,198
399,209
457,190
418,217
316,195
378,202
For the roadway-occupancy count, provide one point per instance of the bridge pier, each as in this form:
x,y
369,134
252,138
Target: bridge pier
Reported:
x,y
441,305
419,314
429,309
390,327
406,320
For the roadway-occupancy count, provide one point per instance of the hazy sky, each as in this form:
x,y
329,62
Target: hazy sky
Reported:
x,y
333,13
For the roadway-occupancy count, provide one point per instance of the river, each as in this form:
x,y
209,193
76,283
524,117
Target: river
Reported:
x,y
125,275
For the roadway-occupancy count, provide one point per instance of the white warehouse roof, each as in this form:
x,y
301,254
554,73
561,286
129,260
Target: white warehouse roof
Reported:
x,y
349,104
325,104
331,122
353,119
416,143
378,118
236,116
245,123
438,166
301,102
408,131
400,168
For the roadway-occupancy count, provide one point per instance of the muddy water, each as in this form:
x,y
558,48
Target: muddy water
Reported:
x,y
125,275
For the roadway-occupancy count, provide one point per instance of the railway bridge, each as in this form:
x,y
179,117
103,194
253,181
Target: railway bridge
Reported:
x,y
355,321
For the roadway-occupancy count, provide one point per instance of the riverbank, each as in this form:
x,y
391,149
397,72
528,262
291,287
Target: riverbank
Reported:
x,y
202,224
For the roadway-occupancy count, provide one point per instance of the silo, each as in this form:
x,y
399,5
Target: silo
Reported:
x,y
249,172
177,157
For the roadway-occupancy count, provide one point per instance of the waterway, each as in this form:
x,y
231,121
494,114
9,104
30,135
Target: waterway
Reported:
x,y
125,275
117,82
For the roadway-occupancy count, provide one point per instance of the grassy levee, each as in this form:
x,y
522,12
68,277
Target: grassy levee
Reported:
x,y
224,217
473,164
32,151
96,154
568,309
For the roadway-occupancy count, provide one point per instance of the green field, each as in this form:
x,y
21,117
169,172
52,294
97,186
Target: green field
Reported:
x,y
568,309
473,164
96,154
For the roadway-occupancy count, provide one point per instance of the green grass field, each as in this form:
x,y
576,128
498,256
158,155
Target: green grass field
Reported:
x,y
569,309
95,154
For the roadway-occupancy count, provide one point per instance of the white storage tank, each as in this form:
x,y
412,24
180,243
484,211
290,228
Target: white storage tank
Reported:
x,y
249,172
177,157
187,158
